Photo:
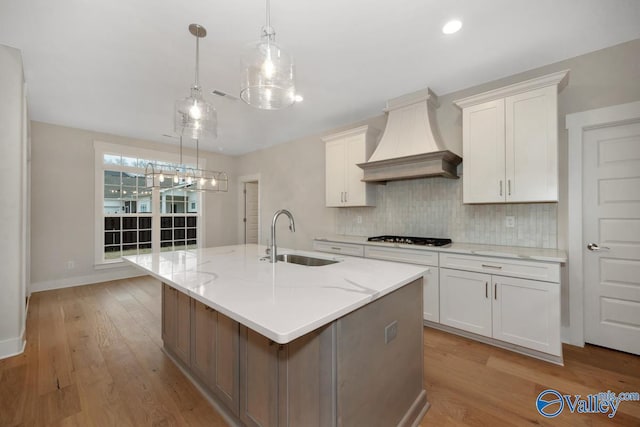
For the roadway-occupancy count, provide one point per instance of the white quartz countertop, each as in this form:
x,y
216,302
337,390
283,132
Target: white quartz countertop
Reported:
x,y
535,254
281,301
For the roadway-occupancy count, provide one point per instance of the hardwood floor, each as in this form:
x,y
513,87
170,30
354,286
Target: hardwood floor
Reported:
x,y
94,358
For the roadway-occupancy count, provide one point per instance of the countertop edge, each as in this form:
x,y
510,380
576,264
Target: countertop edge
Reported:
x,y
497,251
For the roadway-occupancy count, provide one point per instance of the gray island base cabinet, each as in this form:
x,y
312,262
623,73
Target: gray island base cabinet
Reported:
x,y
363,369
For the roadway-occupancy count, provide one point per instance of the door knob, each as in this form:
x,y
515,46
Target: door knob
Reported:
x,y
596,247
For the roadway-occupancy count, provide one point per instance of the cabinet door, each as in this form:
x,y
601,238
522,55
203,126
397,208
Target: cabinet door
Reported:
x,y
483,136
465,301
355,189
226,367
431,295
258,379
335,173
532,146
527,313
169,315
202,341
183,328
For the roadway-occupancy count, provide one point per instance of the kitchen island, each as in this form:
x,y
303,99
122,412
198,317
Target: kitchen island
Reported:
x,y
290,345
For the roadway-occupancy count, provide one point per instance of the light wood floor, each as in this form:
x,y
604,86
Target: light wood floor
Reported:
x,y
94,357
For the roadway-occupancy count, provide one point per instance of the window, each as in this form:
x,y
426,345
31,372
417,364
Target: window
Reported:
x,y
128,208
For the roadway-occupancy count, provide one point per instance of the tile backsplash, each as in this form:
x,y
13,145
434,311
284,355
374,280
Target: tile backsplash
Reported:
x,y
432,207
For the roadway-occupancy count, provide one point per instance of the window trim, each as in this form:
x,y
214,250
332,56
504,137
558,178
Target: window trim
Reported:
x,y
100,149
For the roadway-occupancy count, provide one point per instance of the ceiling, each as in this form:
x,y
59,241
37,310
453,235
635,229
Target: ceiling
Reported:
x,y
119,66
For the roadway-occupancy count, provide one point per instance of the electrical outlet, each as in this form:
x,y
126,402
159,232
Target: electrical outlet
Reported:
x,y
359,219
390,332
71,265
510,221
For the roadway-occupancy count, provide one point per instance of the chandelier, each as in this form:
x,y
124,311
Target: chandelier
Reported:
x,y
180,176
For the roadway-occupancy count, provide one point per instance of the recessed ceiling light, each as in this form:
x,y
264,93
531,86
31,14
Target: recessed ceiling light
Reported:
x,y
298,98
452,26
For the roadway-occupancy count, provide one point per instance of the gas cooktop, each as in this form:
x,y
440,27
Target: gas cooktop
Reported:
x,y
423,241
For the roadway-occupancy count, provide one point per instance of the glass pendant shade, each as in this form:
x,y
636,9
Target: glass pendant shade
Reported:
x,y
194,117
268,75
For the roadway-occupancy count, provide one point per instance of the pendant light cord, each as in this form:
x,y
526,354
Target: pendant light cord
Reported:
x,y
268,14
181,164
197,56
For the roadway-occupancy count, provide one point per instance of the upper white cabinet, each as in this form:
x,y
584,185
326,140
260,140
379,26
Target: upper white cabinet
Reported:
x,y
510,142
344,151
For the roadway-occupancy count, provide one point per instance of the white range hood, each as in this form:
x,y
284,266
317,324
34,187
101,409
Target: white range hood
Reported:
x,y
411,146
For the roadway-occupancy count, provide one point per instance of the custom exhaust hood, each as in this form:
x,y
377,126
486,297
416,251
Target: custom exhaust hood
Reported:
x,y
411,146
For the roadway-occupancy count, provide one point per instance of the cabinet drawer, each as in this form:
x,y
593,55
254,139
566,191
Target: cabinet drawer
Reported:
x,y
411,256
536,270
339,248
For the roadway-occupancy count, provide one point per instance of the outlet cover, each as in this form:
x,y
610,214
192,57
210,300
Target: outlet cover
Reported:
x,y
510,221
390,332
359,219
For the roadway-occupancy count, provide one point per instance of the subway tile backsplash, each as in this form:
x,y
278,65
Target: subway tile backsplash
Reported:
x,y
432,207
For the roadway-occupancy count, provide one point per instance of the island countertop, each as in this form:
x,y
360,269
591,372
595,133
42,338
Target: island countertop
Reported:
x,y
281,301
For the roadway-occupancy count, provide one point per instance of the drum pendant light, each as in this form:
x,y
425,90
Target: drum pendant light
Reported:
x,y
194,116
268,75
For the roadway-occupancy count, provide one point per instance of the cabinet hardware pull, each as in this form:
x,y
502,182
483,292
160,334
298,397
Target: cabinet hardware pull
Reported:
x,y
495,291
486,289
509,186
497,267
342,197
336,248
345,197
501,187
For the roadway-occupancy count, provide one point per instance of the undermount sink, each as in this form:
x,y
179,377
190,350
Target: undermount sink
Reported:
x,y
304,260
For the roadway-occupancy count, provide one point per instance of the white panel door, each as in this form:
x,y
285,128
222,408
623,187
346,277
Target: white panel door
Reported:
x,y
335,173
611,209
465,301
251,212
531,137
527,313
484,153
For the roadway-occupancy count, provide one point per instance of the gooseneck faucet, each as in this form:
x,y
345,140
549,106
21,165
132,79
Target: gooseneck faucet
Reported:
x,y
292,227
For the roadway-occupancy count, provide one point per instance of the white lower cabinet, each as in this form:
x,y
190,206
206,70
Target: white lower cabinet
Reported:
x,y
430,295
518,311
465,301
527,313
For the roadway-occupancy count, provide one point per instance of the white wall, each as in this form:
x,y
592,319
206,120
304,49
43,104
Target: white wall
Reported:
x,y
13,215
292,178
62,199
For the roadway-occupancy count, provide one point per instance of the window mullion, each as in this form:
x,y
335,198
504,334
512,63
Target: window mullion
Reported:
x,y
155,220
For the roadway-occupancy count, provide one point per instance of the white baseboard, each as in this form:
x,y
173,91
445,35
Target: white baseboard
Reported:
x,y
12,346
97,277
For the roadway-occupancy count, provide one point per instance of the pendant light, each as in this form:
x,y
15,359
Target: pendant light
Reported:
x,y
267,80
195,117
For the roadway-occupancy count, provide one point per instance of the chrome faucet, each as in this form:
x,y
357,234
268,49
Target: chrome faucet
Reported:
x,y
292,226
